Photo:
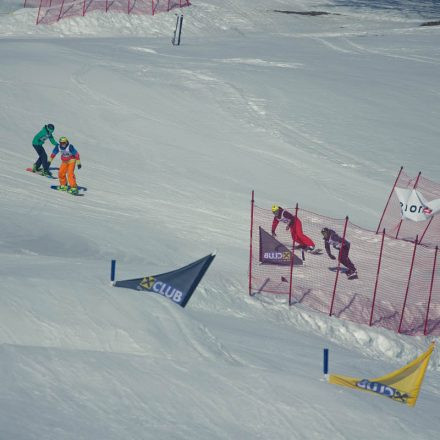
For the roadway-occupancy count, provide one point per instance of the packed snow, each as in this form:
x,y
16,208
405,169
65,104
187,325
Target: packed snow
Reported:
x,y
320,110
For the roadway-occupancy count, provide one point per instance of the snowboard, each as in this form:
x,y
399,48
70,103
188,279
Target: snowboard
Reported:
x,y
335,268
316,251
39,172
344,270
80,188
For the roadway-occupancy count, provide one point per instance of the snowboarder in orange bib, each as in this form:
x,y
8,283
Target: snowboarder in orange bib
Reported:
x,y
69,158
294,224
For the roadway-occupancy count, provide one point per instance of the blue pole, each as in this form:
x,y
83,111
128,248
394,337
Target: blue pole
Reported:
x,y
325,361
112,271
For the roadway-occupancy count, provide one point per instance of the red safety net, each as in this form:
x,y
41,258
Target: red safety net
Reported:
x,y
397,288
428,232
50,11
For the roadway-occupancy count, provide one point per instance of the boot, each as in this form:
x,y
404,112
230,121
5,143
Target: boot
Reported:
x,y
352,274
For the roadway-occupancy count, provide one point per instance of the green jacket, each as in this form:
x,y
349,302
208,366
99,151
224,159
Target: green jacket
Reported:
x,y
42,137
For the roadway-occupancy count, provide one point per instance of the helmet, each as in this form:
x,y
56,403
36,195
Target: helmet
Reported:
x,y
325,232
50,128
64,140
275,208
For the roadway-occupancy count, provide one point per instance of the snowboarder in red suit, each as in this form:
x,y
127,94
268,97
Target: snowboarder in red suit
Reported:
x,y
343,246
294,224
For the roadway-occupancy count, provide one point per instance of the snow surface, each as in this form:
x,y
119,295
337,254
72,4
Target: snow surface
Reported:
x,y
320,110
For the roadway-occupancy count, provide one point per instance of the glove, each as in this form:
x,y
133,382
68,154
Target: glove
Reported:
x,y
287,227
79,166
332,257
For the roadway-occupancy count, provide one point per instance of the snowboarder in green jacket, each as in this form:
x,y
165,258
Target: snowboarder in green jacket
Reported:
x,y
38,141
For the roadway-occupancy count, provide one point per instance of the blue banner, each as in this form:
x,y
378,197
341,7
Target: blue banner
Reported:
x,y
177,285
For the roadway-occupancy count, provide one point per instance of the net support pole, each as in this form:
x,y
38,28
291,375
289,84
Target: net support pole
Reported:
x,y
339,267
408,284
389,198
38,15
84,8
377,277
250,244
61,11
292,256
430,291
424,232
414,187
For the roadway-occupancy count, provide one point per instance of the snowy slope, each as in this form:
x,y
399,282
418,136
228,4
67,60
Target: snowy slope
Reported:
x,y
317,110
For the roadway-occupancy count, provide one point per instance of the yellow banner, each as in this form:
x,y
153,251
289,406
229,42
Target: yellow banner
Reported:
x,y
402,385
